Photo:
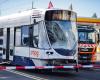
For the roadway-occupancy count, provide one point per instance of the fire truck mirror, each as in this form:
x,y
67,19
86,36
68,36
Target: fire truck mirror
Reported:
x,y
98,38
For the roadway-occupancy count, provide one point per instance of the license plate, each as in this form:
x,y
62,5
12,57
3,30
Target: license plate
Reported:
x,y
84,57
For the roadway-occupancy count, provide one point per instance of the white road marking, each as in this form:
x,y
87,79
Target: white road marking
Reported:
x,y
26,75
4,77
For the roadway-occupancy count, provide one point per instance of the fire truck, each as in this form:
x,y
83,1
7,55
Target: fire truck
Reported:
x,y
88,39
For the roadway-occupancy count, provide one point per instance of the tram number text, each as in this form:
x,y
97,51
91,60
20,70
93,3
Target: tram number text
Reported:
x,y
35,53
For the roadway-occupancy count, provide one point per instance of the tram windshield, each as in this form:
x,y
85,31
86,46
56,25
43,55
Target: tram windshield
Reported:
x,y
61,28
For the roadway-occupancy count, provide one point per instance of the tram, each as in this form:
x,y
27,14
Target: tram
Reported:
x,y
39,37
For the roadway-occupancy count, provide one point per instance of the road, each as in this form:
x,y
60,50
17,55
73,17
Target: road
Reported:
x,y
31,75
70,75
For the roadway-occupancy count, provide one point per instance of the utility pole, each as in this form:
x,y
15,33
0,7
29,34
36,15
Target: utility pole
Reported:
x,y
32,4
0,11
71,7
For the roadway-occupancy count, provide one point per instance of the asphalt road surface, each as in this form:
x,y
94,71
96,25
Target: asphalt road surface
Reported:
x,y
70,75
34,75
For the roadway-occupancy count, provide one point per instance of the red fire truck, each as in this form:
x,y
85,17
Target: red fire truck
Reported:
x,y
88,39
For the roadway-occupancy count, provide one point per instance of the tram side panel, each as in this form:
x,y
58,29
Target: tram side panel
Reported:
x,y
8,34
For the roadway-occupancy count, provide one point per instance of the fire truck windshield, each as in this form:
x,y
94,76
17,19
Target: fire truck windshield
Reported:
x,y
87,37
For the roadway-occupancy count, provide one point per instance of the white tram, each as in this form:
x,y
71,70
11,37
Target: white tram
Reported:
x,y
39,37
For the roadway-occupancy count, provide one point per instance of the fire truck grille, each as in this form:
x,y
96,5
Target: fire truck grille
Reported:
x,y
85,49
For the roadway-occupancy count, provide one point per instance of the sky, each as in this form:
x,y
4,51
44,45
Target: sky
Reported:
x,y
84,8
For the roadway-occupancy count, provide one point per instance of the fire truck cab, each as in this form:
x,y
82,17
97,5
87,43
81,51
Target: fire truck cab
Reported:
x,y
88,39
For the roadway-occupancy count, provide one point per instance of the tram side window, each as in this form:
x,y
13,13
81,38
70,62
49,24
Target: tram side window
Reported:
x,y
25,35
1,34
1,31
18,36
31,35
35,34
1,41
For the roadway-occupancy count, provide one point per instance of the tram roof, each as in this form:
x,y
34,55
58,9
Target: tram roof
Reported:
x,y
28,12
